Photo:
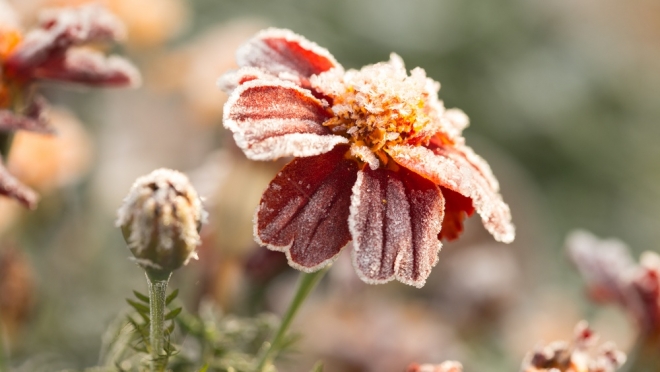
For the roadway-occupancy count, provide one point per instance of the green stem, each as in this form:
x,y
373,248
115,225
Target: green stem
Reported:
x,y
6,140
306,284
157,290
4,350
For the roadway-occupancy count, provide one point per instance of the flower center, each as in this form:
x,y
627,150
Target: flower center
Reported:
x,y
378,106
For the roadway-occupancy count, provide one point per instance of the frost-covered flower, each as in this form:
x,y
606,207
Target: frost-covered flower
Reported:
x,y
579,356
54,50
379,160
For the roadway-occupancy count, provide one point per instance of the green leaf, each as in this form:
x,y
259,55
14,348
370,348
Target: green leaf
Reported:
x,y
141,297
172,296
318,367
204,368
172,314
170,329
141,308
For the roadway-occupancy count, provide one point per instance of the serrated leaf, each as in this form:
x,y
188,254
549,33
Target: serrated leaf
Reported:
x,y
172,314
141,308
141,297
172,296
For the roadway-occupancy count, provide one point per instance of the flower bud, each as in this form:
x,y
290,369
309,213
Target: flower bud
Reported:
x,y
160,220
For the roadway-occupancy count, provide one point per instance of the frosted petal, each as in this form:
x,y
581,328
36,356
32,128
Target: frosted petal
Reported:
x,y
454,168
305,209
33,119
90,67
13,188
232,79
283,53
272,119
59,29
395,221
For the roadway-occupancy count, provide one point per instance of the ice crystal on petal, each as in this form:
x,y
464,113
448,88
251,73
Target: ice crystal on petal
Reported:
x,y
450,168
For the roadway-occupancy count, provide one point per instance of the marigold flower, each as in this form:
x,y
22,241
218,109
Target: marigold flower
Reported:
x,y
53,50
379,160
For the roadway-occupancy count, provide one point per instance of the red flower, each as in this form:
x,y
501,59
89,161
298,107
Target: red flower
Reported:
x,y
54,50
379,160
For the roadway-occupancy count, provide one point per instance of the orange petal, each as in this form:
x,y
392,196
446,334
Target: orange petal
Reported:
x,y
271,119
457,209
305,209
395,221
459,169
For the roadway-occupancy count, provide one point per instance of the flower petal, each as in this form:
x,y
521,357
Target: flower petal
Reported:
x,y
33,119
305,208
457,169
58,30
271,119
285,54
457,209
395,221
13,188
90,67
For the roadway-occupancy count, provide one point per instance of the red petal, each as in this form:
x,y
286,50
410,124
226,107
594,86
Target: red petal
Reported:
x,y
59,29
457,209
13,188
89,67
272,119
282,52
459,169
305,209
395,221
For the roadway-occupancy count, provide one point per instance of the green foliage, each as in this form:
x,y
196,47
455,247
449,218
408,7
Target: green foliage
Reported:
x,y
208,342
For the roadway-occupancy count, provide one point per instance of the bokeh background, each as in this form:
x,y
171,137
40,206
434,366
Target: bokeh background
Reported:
x,y
564,102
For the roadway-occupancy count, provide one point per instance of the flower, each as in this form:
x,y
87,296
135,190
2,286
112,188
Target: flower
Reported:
x,y
379,160
612,276
559,356
54,50
160,220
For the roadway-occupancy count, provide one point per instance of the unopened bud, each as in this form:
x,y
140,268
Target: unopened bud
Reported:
x,y
160,220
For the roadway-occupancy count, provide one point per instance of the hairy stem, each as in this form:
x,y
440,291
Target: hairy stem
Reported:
x,y
157,289
306,284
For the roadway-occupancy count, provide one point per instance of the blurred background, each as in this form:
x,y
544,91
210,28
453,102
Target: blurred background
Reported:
x,y
564,102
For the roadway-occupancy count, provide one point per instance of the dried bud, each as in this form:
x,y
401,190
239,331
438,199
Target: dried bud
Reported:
x,y
160,220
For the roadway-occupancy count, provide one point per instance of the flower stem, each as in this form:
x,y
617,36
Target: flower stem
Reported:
x,y
306,284
4,350
157,290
